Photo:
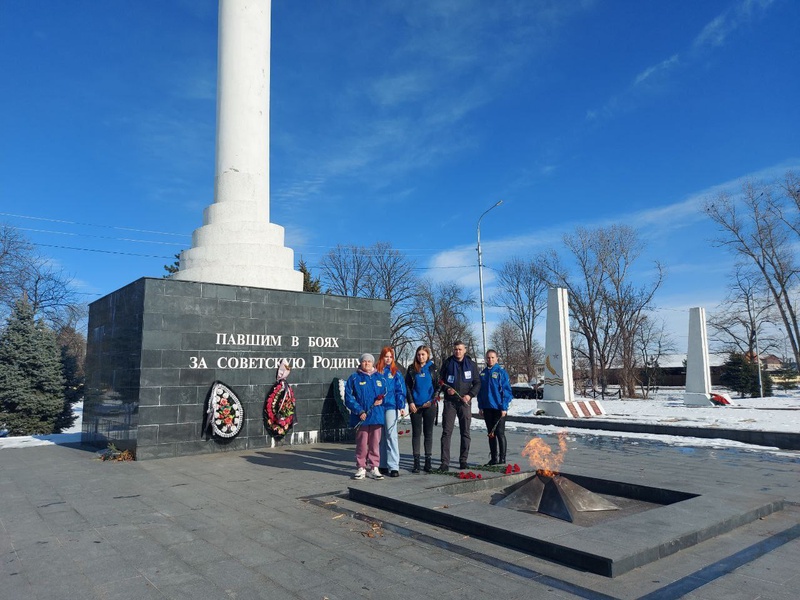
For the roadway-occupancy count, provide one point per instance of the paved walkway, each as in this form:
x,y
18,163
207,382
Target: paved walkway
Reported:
x,y
276,524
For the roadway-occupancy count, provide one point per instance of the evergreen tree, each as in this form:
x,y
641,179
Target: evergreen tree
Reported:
x,y
740,374
766,383
173,268
31,380
737,374
73,356
309,284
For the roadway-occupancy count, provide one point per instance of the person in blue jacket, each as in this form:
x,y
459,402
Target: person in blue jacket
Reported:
x,y
394,407
493,400
363,396
423,389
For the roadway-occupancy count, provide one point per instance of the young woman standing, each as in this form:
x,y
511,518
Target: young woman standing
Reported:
x,y
423,387
394,405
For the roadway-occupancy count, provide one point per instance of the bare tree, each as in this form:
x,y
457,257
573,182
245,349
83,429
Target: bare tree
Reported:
x,y
523,292
653,342
744,316
762,229
23,271
14,252
440,317
345,270
584,278
607,308
391,277
505,339
618,249
377,271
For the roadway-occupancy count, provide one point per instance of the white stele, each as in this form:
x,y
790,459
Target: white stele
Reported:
x,y
558,396
698,371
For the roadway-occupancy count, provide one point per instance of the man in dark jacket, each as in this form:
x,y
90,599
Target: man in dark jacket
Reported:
x,y
460,383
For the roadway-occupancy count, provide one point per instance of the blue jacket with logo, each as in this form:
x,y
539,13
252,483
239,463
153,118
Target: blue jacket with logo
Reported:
x,y
360,392
396,394
422,386
495,389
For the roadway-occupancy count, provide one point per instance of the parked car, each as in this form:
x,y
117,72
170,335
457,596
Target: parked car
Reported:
x,y
527,391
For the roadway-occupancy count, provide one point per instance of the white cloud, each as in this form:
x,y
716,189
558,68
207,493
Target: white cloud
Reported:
x,y
713,35
717,31
663,66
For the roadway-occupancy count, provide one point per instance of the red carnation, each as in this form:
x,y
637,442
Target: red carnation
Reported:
x,y
516,468
509,469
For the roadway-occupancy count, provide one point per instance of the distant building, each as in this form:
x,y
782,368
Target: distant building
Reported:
x,y
770,362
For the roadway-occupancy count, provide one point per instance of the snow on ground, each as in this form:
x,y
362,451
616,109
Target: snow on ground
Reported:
x,y
70,436
776,413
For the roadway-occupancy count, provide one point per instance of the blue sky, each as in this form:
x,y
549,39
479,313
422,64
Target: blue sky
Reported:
x,y
402,121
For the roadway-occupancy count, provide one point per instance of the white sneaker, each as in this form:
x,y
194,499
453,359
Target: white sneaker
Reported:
x,y
360,473
375,473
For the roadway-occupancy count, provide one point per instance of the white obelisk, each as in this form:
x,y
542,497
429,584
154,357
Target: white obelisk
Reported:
x,y
558,381
698,371
558,396
237,244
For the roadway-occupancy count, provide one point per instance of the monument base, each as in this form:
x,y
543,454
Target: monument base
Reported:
x,y
575,409
156,346
697,399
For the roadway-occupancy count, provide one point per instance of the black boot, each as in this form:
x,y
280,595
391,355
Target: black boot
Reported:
x,y
427,468
502,443
415,468
492,451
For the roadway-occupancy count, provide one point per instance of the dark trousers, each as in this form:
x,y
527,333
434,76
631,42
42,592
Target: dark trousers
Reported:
x,y
422,425
495,421
451,410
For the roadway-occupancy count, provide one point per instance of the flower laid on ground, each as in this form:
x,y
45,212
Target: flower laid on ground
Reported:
x,y
469,475
112,453
515,468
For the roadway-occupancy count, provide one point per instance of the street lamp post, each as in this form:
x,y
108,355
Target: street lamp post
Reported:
x,y
480,273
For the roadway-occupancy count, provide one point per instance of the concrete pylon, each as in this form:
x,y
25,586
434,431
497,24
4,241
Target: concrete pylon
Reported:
x,y
698,370
558,398
237,245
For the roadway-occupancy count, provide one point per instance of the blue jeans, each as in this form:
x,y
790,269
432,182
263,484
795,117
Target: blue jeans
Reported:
x,y
390,449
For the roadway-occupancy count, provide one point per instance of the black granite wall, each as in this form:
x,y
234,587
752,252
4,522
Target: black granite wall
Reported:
x,y
156,346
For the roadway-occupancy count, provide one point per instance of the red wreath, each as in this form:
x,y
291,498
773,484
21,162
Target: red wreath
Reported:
x,y
279,408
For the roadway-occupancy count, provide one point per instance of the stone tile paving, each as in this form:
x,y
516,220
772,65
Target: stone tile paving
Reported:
x,y
274,524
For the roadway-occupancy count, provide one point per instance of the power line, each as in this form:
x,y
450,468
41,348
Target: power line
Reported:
x,y
5,214
133,240
103,251
101,237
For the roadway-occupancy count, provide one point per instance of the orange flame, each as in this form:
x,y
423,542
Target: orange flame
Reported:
x,y
542,457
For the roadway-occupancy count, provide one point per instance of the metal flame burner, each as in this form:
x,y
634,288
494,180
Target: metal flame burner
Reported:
x,y
555,496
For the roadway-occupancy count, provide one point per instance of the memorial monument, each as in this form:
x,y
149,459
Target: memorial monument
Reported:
x,y
698,366
159,350
237,244
698,372
558,396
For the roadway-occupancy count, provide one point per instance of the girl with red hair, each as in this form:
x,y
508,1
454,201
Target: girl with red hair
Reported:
x,y
394,407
